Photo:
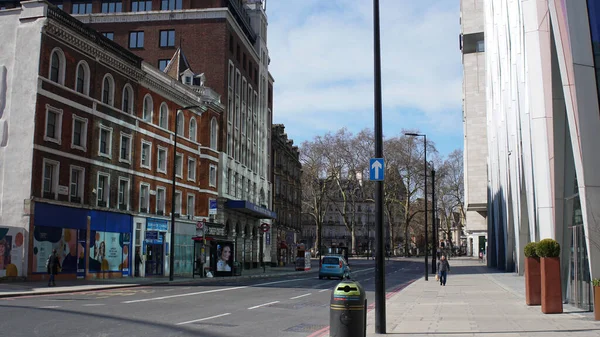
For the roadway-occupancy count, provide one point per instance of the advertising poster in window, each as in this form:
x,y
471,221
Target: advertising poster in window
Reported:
x,y
64,240
106,251
225,255
11,251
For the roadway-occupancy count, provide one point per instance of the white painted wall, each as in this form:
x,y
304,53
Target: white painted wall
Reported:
x,y
20,38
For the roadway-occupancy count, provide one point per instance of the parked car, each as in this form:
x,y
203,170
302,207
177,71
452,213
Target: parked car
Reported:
x,y
334,266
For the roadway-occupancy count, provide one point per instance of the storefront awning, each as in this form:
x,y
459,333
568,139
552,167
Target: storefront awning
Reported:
x,y
251,209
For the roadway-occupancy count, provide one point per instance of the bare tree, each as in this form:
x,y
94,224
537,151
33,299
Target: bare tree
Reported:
x,y
450,189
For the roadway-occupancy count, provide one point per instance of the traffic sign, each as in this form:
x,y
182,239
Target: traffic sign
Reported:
x,y
376,169
264,227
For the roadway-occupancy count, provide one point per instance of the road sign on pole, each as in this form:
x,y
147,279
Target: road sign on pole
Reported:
x,y
376,169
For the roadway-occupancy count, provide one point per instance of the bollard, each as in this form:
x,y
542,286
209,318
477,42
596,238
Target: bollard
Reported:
x,y
348,310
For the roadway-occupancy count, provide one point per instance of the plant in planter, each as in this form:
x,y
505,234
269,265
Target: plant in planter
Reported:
x,y
549,251
533,285
596,284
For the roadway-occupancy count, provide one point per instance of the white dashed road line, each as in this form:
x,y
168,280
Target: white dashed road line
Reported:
x,y
204,319
293,298
93,304
322,290
262,305
50,307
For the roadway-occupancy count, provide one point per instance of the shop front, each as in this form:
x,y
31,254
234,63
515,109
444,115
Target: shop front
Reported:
x,y
154,249
89,243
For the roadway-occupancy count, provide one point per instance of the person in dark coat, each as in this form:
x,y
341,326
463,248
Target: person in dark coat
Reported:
x,y
443,268
53,267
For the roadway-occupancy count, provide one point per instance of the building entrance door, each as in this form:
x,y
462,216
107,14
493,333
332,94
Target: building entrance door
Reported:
x,y
154,259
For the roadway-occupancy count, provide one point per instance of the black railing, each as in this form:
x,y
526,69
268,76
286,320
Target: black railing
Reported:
x,y
241,16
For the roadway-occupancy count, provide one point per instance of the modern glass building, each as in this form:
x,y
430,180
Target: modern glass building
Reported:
x,y
543,133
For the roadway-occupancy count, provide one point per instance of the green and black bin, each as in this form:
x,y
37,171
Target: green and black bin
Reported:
x,y
348,310
237,269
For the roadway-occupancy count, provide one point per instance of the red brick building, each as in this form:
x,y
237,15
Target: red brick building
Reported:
x,y
225,41
91,137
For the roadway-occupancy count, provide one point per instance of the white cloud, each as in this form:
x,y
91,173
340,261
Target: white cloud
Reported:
x,y
322,60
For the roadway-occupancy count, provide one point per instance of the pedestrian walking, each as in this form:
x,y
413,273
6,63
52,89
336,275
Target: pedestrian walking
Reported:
x,y
53,267
443,268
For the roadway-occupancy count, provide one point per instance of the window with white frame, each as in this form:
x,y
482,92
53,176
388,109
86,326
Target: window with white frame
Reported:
x,y
105,141
161,194
76,184
193,129
125,148
144,198
163,116
50,179
177,203
108,90
79,134
123,202
191,205
180,124
212,175
147,109
191,172
213,134
82,78
146,158
127,103
103,190
56,72
161,160
179,165
53,130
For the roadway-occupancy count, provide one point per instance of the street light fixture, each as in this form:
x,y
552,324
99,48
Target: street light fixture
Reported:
x,y
425,192
433,221
172,247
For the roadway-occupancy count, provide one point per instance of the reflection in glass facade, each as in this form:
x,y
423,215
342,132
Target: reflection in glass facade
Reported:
x,y
594,16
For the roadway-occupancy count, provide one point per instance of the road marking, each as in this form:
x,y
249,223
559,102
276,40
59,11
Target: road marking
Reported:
x,y
204,319
262,305
322,290
211,291
293,298
50,307
93,304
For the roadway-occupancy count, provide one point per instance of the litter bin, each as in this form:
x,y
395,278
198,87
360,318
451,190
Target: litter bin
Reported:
x,y
237,269
348,310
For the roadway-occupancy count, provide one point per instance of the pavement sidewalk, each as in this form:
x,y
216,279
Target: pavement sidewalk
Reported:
x,y
476,301
30,288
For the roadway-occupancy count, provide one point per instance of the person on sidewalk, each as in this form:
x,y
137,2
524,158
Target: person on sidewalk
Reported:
x,y
443,268
53,265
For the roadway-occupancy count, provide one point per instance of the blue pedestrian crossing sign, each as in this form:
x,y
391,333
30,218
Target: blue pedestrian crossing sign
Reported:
x,y
376,169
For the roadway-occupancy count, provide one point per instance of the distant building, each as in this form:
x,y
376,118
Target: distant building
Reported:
x,y
475,124
287,197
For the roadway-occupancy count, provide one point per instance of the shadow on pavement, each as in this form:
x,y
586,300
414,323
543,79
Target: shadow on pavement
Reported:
x,y
170,328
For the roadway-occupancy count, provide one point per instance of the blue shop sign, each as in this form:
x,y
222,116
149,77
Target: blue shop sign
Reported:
x,y
157,225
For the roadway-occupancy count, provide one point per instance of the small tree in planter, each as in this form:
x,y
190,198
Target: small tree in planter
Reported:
x,y
533,286
549,251
596,283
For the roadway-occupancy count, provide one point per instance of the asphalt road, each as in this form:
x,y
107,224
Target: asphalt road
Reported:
x,y
295,306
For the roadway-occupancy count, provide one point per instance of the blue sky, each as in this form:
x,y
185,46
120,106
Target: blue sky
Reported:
x,y
322,61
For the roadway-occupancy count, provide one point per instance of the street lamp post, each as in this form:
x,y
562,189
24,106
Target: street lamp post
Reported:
x,y
172,247
425,193
433,222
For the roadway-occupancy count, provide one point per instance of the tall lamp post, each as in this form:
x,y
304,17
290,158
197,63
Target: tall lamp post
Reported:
x,y
433,222
172,247
425,193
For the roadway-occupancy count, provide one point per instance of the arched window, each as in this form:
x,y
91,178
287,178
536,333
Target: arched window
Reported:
x,y
57,66
127,104
163,116
213,134
148,109
82,78
108,90
193,129
180,127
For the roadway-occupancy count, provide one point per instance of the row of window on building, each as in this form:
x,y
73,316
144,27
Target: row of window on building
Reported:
x,y
85,7
57,73
51,184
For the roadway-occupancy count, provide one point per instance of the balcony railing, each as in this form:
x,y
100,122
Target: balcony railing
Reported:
x,y
208,93
241,16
